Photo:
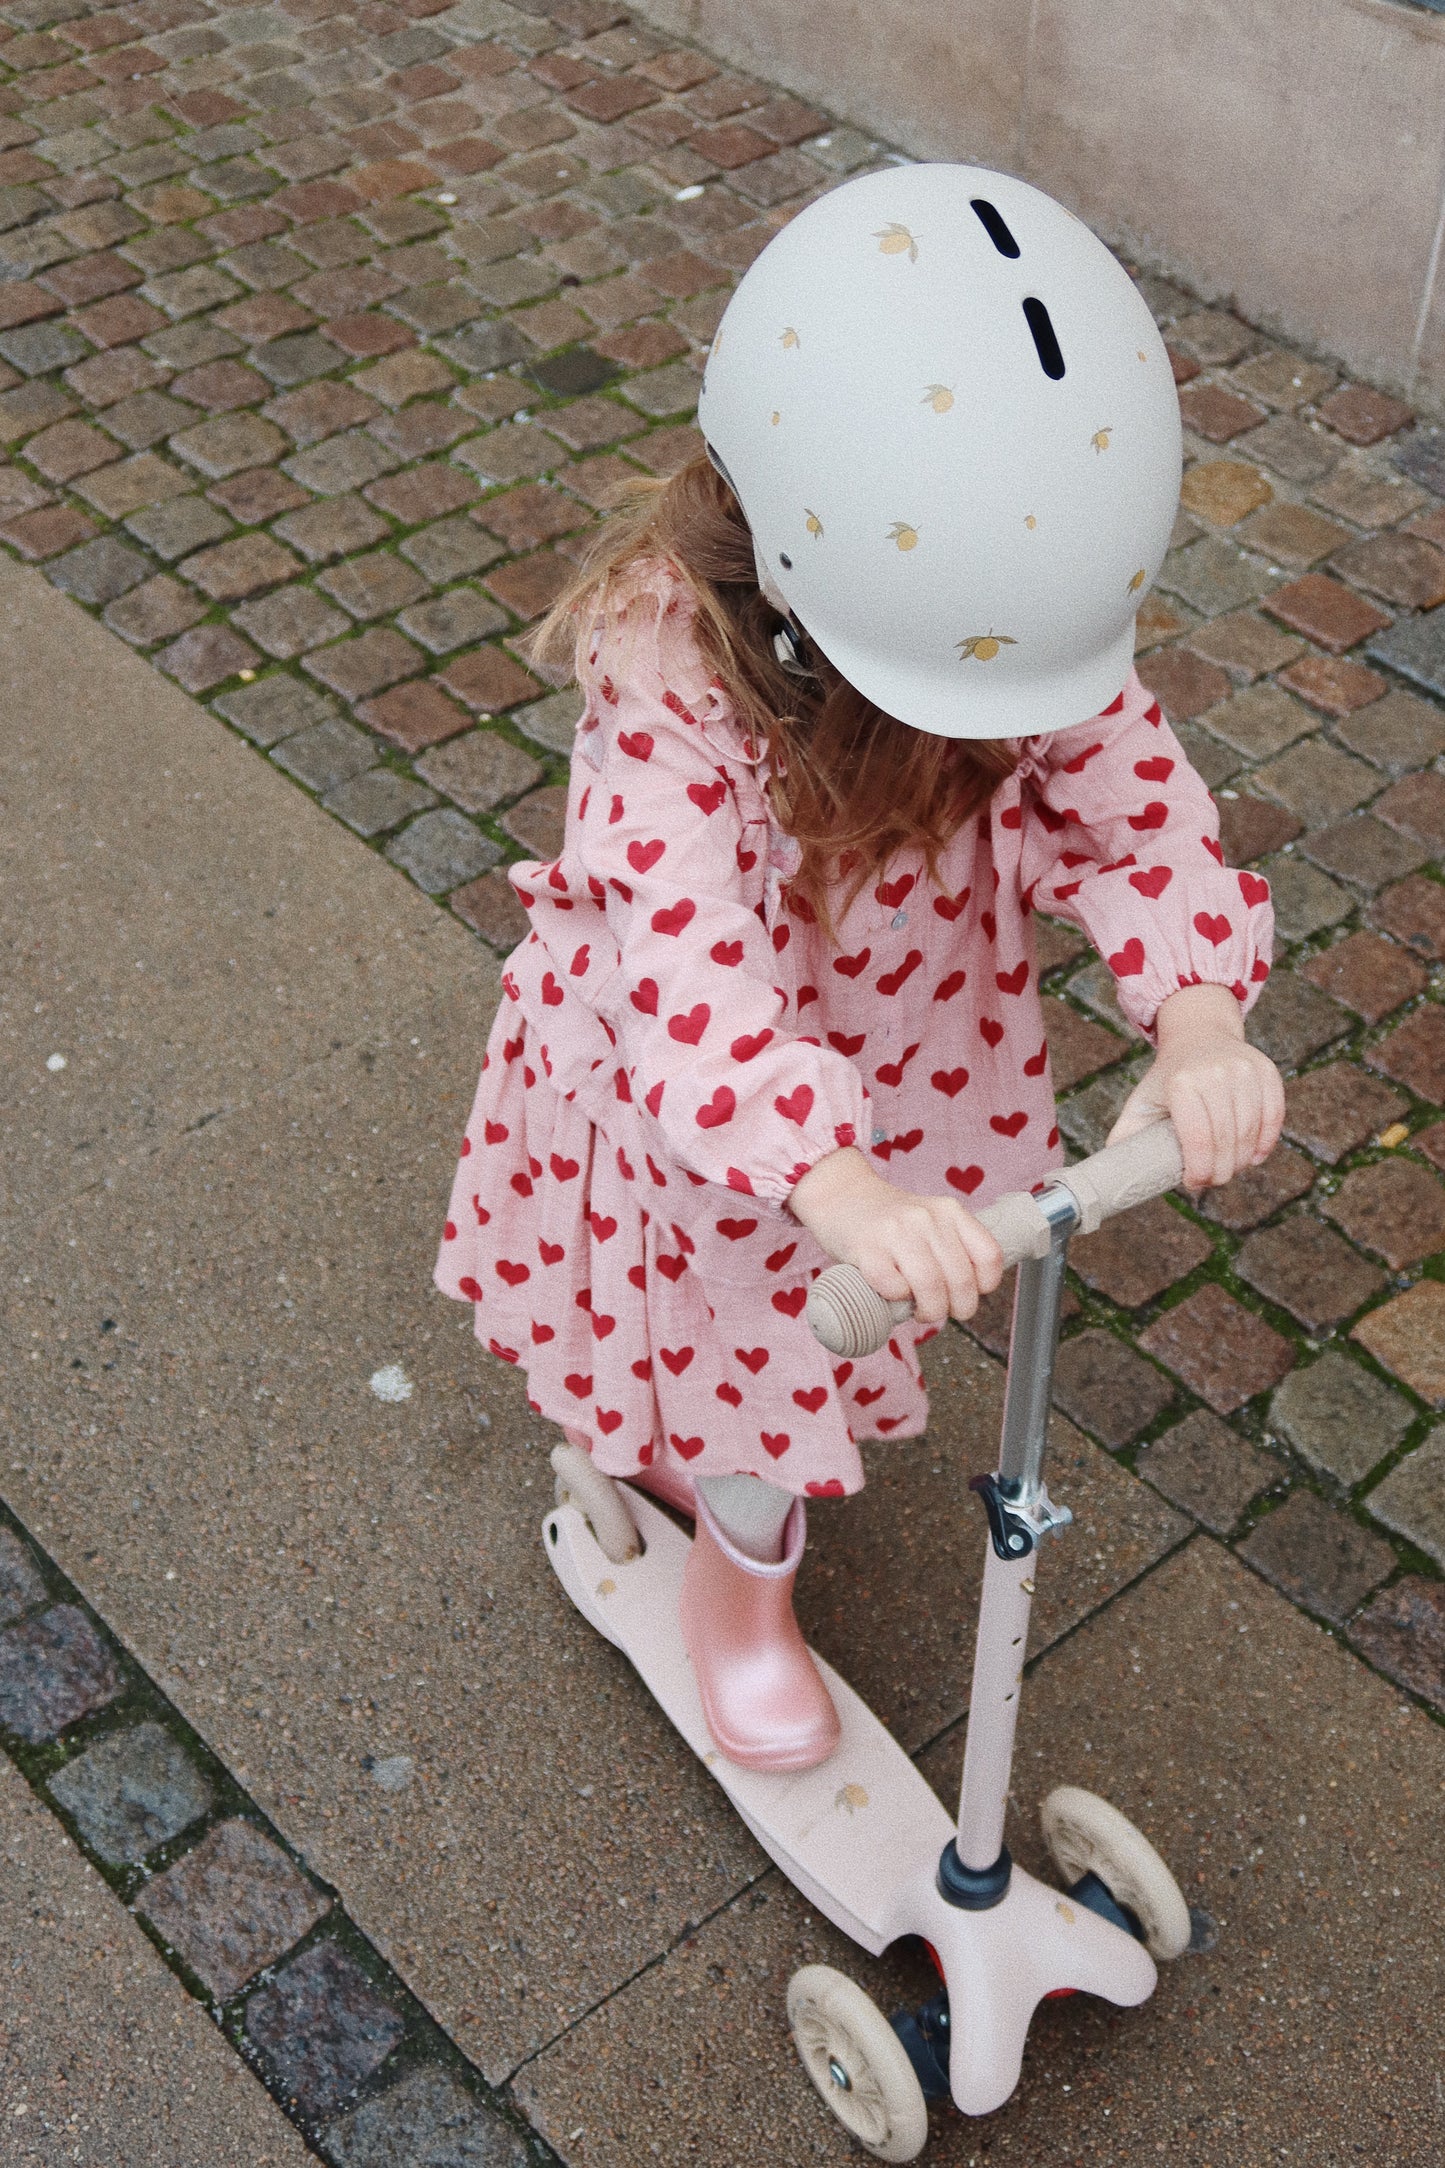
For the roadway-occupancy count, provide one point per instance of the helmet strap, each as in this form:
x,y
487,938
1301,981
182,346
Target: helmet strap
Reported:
x,y
788,646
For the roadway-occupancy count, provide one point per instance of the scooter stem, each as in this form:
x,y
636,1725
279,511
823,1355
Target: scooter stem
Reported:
x,y
1020,1514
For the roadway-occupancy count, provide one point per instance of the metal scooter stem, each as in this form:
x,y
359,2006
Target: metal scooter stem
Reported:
x,y
1020,1513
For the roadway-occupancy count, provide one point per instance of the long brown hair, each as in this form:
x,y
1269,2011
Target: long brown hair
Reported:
x,y
851,784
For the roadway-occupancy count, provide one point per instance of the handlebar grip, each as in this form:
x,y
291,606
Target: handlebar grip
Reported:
x,y
851,1318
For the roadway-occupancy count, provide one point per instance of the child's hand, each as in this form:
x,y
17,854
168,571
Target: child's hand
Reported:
x,y
928,1249
1224,1097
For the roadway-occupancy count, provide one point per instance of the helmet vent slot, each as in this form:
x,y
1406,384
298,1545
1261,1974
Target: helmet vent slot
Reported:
x,y
1046,344
993,225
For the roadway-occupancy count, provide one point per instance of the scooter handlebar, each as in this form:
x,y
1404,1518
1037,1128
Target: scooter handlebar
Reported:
x,y
851,1318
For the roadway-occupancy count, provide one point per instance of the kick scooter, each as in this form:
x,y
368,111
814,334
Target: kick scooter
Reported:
x,y
863,1836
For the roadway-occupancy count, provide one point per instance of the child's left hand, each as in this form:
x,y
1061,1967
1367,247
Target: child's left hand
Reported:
x,y
1224,1097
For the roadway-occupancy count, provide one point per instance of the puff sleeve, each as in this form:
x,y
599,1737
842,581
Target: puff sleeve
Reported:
x,y
1122,838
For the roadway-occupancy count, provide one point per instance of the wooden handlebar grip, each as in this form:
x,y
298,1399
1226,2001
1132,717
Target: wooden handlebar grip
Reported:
x,y
851,1318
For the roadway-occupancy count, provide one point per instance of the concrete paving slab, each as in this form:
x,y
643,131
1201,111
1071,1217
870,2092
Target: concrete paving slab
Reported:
x,y
1298,1799
104,2057
181,927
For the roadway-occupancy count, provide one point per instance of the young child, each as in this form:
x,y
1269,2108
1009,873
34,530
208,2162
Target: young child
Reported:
x,y
859,696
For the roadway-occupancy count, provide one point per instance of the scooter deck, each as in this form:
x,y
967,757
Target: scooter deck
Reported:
x,y
855,1833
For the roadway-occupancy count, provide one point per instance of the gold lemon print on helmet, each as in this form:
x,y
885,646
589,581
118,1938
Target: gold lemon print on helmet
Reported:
x,y
789,338
905,536
1100,438
939,397
984,646
1029,520
896,240
813,524
1138,580
777,417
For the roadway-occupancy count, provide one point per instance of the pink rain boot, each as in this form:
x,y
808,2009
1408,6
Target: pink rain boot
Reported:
x,y
765,1704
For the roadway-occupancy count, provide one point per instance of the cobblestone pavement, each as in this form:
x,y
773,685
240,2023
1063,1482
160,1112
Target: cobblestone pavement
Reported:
x,y
326,327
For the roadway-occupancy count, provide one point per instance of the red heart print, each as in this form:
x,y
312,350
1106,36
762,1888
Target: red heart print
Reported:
x,y
909,1141
507,1355
690,1028
949,1081
812,1399
847,1042
1012,982
1154,713
782,935
677,1358
851,966
992,1032
470,1288
1128,962
1259,971
1009,1125
707,797
578,1386
564,1169
602,1325
842,1374
952,907
965,1178
750,1045
675,916
1037,1063
618,809
731,1395
636,744
671,1268
1115,706
608,1420
552,1253
1012,816
604,1229
736,1230
449,1232
746,860
577,969
653,1100
1080,761
779,1258
891,893
947,988
1214,929
688,1447
719,1109
790,1300
1154,815
522,1184
497,1132
542,1333
513,1274
642,857
644,997
736,1179
655,1171
728,953
989,924
1214,848
551,991
1152,883
867,1394
806,994
752,1358
1253,889
831,1489
798,1104
642,1368
775,1442
1157,769
890,981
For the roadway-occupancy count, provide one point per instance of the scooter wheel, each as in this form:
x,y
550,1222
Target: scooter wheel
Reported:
x,y
1088,1836
600,1501
858,2063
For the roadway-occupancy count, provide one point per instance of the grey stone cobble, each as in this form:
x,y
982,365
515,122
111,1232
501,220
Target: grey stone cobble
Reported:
x,y
54,1669
377,800
329,753
1208,1469
132,1792
441,850
428,2120
1339,1416
322,2027
21,1584
1317,1556
1411,1500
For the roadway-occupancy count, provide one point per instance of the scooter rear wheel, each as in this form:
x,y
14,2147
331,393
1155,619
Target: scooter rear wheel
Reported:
x,y
599,1500
858,2063
1086,1835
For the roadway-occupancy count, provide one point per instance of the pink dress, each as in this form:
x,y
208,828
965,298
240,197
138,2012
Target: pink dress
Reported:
x,y
679,1042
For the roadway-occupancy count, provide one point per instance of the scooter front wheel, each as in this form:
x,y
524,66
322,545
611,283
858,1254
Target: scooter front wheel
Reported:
x,y
600,1501
857,2062
1086,1835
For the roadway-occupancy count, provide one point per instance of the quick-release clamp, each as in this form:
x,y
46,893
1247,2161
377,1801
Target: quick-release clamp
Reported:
x,y
1018,1529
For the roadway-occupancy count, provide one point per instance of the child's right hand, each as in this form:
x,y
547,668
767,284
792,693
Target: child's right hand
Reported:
x,y
925,1249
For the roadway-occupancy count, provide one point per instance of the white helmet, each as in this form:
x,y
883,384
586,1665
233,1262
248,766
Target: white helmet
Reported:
x,y
953,429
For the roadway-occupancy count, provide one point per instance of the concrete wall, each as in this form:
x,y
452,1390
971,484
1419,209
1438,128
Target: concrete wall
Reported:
x,y
1286,154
